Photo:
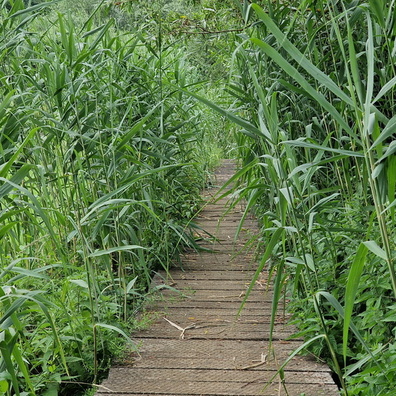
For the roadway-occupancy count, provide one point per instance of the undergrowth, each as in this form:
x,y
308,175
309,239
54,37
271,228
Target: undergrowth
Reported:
x,y
104,148
313,87
102,162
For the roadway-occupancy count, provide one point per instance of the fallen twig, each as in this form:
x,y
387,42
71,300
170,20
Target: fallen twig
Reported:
x,y
262,361
181,336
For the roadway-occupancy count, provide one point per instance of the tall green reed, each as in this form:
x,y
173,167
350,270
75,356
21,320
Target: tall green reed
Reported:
x,y
314,102
350,129
100,181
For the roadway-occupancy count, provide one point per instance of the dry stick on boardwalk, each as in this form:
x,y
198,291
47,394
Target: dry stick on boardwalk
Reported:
x,y
198,346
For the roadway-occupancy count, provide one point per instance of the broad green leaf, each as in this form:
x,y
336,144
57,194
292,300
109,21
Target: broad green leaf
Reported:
x,y
113,203
389,130
249,129
351,288
302,143
373,246
390,206
52,390
295,260
287,193
4,230
24,272
358,365
80,282
7,99
389,151
37,7
102,31
136,128
127,248
385,89
276,236
93,31
93,13
129,182
377,170
301,60
309,261
323,201
130,285
117,330
299,78
377,6
3,386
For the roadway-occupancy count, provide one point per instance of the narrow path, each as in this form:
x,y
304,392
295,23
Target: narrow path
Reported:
x,y
196,344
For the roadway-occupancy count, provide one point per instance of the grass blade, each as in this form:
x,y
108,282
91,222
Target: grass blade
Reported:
x,y
301,60
351,288
299,78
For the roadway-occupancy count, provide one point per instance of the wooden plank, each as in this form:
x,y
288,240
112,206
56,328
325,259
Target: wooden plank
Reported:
x,y
194,313
215,382
210,284
216,330
160,376
207,275
222,354
235,296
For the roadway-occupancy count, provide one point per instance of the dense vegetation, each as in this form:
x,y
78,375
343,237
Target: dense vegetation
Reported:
x,y
102,163
106,136
316,80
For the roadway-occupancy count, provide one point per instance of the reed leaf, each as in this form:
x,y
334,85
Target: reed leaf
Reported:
x,y
351,289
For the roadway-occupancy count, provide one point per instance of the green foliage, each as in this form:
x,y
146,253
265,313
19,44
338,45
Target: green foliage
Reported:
x,y
103,159
319,148
106,138
314,98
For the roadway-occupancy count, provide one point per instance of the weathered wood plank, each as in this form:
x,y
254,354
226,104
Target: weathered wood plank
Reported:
x,y
215,382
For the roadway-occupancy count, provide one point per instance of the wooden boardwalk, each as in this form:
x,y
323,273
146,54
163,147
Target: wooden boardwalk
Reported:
x,y
197,345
